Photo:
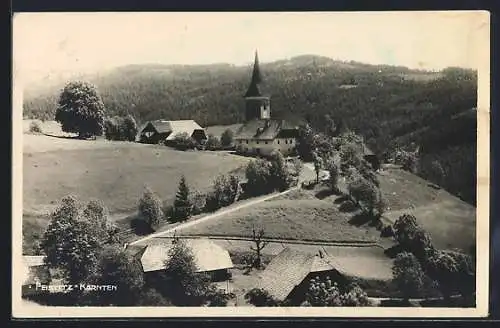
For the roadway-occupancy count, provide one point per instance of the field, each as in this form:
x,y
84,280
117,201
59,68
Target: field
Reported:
x,y
217,130
298,216
309,215
450,221
114,172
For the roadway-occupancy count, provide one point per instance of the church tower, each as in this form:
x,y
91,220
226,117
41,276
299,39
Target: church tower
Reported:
x,y
257,106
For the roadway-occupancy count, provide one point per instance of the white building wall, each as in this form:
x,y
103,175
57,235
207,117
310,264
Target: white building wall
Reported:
x,y
285,146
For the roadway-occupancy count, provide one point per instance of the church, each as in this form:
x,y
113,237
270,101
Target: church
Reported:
x,y
261,134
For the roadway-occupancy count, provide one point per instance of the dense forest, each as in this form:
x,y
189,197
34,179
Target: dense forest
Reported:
x,y
389,106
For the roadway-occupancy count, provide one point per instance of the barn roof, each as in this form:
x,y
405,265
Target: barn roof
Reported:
x,y
289,268
208,256
174,127
266,130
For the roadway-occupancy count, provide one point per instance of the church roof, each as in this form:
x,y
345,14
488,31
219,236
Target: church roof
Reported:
x,y
266,130
253,88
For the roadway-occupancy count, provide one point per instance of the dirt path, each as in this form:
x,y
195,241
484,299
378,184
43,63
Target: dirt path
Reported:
x,y
304,176
213,216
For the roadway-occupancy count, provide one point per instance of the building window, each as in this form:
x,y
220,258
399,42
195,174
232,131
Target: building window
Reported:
x,y
278,142
246,141
266,142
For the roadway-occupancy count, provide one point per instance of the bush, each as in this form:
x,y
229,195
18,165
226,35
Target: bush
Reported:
x,y
387,231
408,275
226,139
35,127
183,141
328,293
213,143
412,238
260,297
150,208
258,178
198,201
219,298
454,271
226,190
280,177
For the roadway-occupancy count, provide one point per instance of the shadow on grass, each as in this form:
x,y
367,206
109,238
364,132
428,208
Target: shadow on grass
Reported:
x,y
341,199
140,227
322,194
348,206
393,251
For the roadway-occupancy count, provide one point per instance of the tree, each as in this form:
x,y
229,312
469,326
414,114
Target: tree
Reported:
x,y
226,138
70,243
328,293
317,165
226,190
412,238
333,178
280,177
330,126
404,230
260,297
436,173
454,271
117,268
257,239
184,285
80,110
367,195
350,156
182,204
130,128
97,215
213,143
305,143
150,208
408,275
258,175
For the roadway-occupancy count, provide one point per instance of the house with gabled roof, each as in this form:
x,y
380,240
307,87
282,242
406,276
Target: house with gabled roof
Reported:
x,y
209,257
287,276
165,131
261,134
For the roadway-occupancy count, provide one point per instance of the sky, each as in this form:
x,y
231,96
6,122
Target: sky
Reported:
x,y
52,45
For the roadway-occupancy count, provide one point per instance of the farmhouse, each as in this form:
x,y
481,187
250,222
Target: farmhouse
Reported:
x,y
261,134
166,131
288,275
209,257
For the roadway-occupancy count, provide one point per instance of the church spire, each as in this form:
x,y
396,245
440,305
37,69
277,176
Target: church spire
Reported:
x,y
253,89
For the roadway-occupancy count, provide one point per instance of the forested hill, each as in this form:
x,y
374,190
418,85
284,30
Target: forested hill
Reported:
x,y
382,103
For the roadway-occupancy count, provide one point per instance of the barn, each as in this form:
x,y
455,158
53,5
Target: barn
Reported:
x,y
287,276
209,257
154,132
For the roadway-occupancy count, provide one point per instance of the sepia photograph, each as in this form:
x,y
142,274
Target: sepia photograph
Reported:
x,y
313,164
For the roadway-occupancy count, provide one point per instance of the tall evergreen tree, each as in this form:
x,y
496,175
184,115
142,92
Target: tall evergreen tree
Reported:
x,y
182,204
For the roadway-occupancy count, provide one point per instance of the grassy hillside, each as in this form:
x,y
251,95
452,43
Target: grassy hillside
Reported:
x,y
384,104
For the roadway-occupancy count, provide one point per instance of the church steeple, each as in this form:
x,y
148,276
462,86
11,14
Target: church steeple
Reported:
x,y
253,89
